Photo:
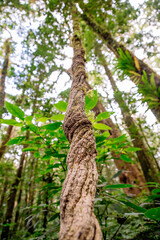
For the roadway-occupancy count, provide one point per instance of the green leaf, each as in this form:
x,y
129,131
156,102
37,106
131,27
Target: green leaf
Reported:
x,y
57,165
14,110
52,126
132,149
134,206
117,174
11,122
29,149
91,101
153,81
126,158
101,126
28,119
100,138
117,186
54,217
58,117
61,106
42,119
103,115
16,140
155,191
106,134
33,128
153,213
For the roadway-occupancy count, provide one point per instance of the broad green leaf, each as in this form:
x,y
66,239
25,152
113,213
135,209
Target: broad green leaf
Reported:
x,y
100,138
126,158
29,149
155,191
58,117
153,213
33,128
11,122
117,186
16,140
37,115
134,206
61,106
106,134
36,154
14,110
132,149
52,126
103,115
91,101
122,138
29,119
42,119
101,126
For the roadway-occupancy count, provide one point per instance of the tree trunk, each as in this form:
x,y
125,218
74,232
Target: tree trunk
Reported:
x,y
77,198
131,173
18,208
6,139
29,222
3,197
114,46
145,159
11,200
4,74
48,180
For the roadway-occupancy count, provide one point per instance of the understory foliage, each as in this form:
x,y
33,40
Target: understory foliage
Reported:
x,y
37,86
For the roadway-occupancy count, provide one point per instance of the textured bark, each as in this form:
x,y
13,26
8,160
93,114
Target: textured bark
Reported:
x,y
6,139
131,174
77,198
114,46
145,159
3,75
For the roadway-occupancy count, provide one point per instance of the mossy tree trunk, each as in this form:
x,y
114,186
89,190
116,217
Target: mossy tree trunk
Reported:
x,y
4,74
145,159
77,219
139,65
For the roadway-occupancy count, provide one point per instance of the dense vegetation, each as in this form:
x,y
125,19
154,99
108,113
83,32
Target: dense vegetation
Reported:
x,y
71,71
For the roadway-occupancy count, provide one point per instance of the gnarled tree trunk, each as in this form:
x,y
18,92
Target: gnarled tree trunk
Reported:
x,y
77,198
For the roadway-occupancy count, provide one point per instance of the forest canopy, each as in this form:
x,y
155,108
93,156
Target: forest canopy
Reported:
x,y
79,119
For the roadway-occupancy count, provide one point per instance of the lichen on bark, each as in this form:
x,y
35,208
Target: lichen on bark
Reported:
x,y
77,198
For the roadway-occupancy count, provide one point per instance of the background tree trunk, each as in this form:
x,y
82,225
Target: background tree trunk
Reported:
x,y
114,46
131,172
4,74
145,159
